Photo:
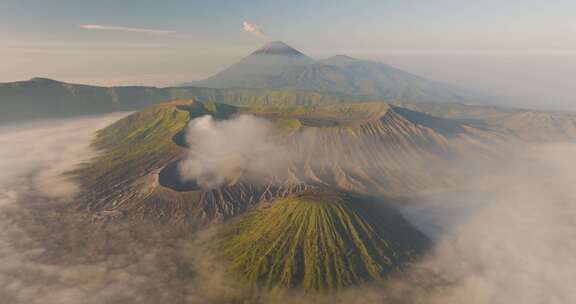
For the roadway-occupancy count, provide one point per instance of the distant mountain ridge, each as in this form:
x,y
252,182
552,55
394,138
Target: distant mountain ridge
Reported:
x,y
277,65
42,98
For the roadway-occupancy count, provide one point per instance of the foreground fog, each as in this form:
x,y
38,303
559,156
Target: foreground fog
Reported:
x,y
509,236
512,237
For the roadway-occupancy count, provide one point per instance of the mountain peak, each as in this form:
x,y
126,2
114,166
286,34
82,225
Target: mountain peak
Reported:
x,y
277,48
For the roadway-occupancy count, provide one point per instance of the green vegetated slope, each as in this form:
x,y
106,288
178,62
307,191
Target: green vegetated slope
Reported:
x,y
131,147
319,240
262,96
124,178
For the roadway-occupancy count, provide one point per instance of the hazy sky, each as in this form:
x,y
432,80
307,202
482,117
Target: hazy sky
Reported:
x,y
520,48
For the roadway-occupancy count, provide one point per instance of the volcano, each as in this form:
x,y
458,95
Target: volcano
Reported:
x,y
322,219
276,65
320,240
253,71
368,148
278,48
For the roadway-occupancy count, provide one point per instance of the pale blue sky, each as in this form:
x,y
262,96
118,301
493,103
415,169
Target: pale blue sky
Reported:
x,y
451,40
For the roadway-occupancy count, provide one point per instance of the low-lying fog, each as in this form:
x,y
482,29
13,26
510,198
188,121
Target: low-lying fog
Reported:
x,y
510,237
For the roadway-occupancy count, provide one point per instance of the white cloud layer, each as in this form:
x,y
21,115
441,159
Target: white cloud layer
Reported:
x,y
148,31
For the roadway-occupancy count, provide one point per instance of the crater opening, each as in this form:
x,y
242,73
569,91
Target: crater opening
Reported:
x,y
309,121
170,177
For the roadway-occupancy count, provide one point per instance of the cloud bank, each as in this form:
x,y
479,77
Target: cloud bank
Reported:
x,y
510,237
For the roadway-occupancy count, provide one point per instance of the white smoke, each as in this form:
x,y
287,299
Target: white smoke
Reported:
x,y
256,151
254,29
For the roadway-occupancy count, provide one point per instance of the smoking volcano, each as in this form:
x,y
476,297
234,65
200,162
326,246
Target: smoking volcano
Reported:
x,y
308,171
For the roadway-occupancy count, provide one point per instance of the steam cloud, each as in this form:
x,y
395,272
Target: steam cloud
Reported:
x,y
224,150
250,149
254,29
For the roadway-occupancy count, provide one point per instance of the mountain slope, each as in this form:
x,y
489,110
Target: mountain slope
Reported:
x,y
365,148
319,240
